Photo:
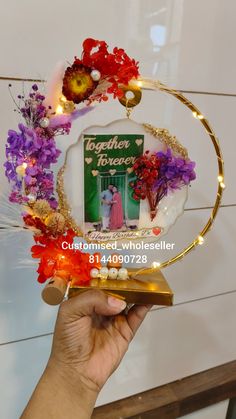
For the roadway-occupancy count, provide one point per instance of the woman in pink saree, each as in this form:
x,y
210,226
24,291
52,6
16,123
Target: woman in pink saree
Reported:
x,y
116,214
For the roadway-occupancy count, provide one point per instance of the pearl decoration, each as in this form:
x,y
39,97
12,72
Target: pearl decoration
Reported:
x,y
104,272
123,273
44,122
96,75
31,198
94,273
113,272
20,170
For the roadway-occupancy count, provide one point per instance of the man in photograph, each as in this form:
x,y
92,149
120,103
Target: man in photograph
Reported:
x,y
106,198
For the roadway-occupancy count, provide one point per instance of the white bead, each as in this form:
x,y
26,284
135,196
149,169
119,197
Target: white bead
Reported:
x,y
31,197
94,273
44,122
104,272
122,273
96,75
113,272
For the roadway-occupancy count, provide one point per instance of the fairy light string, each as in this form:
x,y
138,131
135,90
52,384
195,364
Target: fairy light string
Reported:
x,y
199,240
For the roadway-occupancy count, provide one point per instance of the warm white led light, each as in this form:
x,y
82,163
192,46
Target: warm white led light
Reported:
x,y
156,264
220,178
24,165
222,185
63,98
200,240
59,109
197,115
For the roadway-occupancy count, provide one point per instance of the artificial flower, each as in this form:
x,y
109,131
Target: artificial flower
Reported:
x,y
35,223
37,153
74,264
175,172
41,208
115,68
159,174
78,84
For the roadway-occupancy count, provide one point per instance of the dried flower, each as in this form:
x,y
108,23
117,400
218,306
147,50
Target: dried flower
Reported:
x,y
56,223
37,153
35,223
115,68
175,172
41,208
78,84
158,174
74,263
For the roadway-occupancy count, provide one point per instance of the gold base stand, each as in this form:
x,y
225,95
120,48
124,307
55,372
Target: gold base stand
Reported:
x,y
149,289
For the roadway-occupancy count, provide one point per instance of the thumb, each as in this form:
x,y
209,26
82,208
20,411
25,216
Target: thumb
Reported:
x,y
90,302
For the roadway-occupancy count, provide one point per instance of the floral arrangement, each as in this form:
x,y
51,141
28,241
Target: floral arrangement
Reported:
x,y
69,263
158,174
31,151
98,73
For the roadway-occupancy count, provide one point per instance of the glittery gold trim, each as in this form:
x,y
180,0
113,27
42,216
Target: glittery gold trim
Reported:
x,y
65,208
165,137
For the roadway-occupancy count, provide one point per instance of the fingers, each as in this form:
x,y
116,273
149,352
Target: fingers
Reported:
x,y
136,316
90,302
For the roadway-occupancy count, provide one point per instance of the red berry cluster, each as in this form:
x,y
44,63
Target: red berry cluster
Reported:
x,y
146,169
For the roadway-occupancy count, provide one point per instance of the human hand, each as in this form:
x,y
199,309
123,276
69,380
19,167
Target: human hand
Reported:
x,y
91,336
90,339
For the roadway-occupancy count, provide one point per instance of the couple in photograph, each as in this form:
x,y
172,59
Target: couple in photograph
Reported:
x,y
112,209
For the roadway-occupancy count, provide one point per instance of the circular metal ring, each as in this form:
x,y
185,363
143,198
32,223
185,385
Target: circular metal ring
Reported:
x,y
132,101
156,85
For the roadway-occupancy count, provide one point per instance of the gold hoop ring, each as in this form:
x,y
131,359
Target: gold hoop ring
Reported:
x,y
156,85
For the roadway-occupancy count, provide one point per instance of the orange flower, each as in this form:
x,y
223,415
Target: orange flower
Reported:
x,y
73,263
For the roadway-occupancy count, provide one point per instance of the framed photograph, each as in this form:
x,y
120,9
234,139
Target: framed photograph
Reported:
x,y
110,211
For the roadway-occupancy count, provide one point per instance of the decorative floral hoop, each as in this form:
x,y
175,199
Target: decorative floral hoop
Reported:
x,y
31,152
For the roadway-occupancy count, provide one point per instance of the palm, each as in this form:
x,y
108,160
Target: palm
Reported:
x,y
94,344
108,344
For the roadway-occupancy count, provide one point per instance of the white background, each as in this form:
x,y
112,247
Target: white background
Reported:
x,y
189,45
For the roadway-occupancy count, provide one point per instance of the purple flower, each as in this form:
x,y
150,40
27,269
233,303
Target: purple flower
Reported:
x,y
38,152
35,146
174,173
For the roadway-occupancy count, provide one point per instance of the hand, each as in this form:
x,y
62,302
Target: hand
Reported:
x,y
91,336
90,339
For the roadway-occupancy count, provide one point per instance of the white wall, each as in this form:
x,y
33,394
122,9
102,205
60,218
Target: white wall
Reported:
x,y
190,46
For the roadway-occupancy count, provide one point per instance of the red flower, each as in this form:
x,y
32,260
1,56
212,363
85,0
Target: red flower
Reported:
x,y
146,169
34,222
72,264
115,67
